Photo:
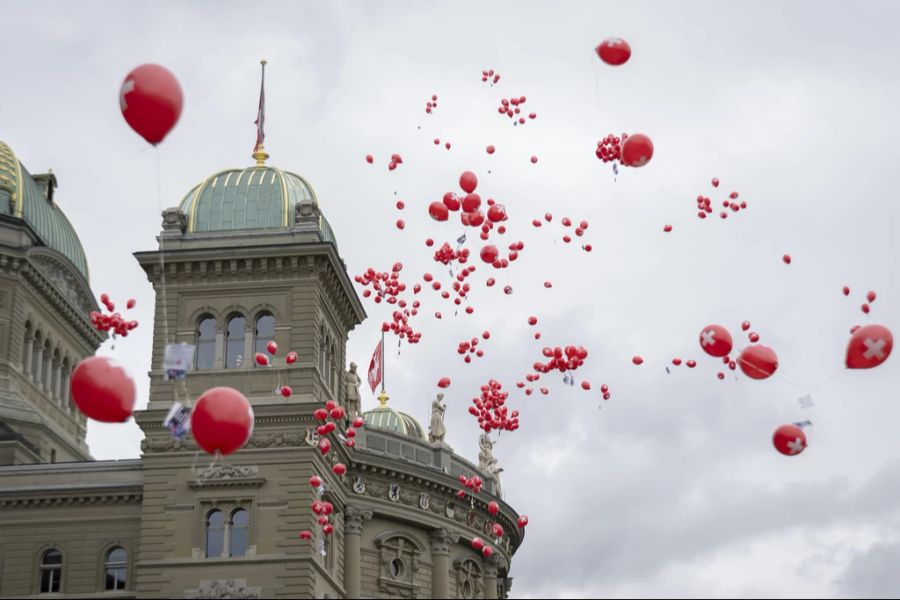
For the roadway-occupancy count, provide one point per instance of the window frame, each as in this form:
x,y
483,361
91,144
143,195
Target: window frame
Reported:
x,y
119,565
42,567
206,316
259,345
243,339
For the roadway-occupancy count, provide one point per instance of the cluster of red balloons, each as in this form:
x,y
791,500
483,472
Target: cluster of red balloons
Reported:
x,y
467,348
489,74
431,105
473,483
491,410
470,204
609,149
387,287
479,546
330,417
446,254
114,321
322,510
512,107
561,359
566,238
704,203
151,100
264,361
460,287
756,361
222,420
395,160
102,390
613,51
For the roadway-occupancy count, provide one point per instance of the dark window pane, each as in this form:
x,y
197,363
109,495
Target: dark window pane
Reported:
x,y
240,520
52,557
234,342
117,555
206,342
265,332
215,533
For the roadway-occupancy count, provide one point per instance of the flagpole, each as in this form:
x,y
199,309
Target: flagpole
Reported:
x,y
383,356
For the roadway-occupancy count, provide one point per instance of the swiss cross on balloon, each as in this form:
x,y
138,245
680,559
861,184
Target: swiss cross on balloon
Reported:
x,y
869,346
715,340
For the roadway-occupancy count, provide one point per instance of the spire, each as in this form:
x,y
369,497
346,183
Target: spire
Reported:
x,y
259,151
383,398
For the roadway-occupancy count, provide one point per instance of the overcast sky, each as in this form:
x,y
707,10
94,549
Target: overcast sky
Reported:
x,y
673,487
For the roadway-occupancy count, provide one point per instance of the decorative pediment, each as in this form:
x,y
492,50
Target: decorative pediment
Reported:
x,y
70,285
227,476
224,588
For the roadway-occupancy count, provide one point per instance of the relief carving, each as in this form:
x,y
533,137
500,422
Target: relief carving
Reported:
x,y
223,588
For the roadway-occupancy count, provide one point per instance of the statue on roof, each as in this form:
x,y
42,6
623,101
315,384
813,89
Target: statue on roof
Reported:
x,y
436,429
352,383
487,462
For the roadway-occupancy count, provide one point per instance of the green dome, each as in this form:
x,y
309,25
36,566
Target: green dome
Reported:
x,y
398,422
21,197
259,197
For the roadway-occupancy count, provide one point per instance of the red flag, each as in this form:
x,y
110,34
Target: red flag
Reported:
x,y
376,367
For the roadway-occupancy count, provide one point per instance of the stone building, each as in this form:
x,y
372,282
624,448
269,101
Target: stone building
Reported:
x,y
248,258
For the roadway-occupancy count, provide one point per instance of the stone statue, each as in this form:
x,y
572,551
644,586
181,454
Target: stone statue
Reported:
x,y
436,430
352,383
495,471
486,460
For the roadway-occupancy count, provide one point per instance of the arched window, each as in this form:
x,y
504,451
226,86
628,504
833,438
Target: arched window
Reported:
x,y
265,331
234,342
332,369
27,343
240,535
205,342
47,367
322,345
51,571
55,375
37,351
65,383
215,533
116,568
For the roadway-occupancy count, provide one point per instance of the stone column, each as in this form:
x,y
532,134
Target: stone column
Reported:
x,y
26,354
249,344
38,367
441,540
353,528
490,577
219,359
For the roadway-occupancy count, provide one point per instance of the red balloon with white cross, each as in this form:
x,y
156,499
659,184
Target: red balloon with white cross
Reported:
x,y
869,346
789,440
715,340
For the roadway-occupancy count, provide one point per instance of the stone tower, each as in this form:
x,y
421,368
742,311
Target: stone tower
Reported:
x,y
44,327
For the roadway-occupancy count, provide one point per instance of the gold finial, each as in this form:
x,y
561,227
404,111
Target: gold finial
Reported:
x,y
260,155
383,398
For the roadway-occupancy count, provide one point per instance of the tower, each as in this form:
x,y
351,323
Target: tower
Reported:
x,y
45,300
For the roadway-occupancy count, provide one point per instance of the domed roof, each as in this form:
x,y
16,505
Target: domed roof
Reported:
x,y
398,422
258,197
21,197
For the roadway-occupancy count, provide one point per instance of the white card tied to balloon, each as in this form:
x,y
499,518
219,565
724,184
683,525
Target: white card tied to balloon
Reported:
x,y
805,401
178,421
178,360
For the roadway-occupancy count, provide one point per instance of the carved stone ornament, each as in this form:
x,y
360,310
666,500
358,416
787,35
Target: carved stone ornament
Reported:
x,y
174,219
223,588
424,501
65,282
394,492
223,472
265,440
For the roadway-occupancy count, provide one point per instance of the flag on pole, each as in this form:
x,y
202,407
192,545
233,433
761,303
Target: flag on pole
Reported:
x,y
376,366
261,115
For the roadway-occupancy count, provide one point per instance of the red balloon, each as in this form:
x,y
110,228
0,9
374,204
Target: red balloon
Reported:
x,y
359,422
324,446
498,530
369,159
715,340
315,481
637,360
272,348
496,213
869,346
470,203
468,181
320,414
477,543
489,253
745,325
337,413
102,390
328,529
261,359
493,508
487,551
870,296
846,290
490,149
339,469
444,382
715,182
306,535
787,259
222,420
150,100
291,358
522,522
789,440
637,150
131,303
286,391
614,51
451,201
438,211
758,362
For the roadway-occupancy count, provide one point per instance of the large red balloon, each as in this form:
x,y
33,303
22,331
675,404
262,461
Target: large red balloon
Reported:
x,y
222,420
489,253
151,101
468,181
715,340
637,150
758,362
102,390
614,51
869,347
789,440
438,211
